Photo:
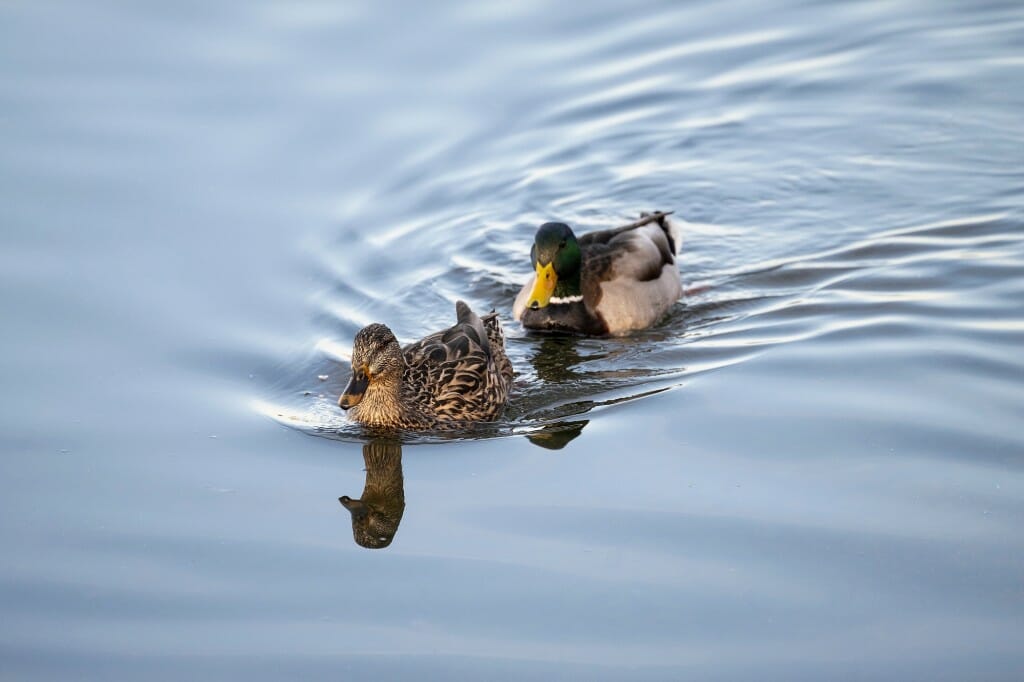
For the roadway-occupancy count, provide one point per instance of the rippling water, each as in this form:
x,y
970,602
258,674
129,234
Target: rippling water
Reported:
x,y
810,470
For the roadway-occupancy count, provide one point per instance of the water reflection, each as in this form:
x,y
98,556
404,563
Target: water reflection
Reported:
x,y
555,358
556,436
378,511
556,361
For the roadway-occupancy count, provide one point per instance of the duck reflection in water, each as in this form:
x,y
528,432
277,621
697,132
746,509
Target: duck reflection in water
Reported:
x,y
378,511
556,436
555,361
556,358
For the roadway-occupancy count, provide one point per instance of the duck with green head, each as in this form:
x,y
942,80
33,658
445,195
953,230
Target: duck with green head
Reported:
x,y
605,282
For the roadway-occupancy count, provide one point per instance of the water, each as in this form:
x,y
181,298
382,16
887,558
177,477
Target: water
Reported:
x,y
810,470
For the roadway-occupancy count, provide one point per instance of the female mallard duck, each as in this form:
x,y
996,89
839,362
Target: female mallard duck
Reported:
x,y
605,282
451,378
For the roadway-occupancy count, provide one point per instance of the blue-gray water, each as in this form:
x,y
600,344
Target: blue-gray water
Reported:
x,y
812,470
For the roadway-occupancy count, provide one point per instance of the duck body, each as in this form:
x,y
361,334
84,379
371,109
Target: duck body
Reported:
x,y
452,378
604,282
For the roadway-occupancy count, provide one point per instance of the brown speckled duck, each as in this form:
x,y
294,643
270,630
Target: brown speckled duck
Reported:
x,y
452,378
605,282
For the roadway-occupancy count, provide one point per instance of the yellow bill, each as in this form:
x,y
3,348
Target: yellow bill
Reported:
x,y
543,286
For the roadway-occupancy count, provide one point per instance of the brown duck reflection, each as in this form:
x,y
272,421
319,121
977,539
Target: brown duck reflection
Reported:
x,y
556,436
378,511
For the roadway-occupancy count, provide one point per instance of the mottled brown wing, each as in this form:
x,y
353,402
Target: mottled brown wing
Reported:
x,y
460,374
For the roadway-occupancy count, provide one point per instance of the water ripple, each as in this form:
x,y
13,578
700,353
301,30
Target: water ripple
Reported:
x,y
896,284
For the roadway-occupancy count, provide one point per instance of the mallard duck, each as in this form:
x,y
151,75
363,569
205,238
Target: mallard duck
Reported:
x,y
453,377
605,282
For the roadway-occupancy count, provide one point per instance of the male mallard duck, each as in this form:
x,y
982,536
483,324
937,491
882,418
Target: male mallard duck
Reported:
x,y
451,378
605,282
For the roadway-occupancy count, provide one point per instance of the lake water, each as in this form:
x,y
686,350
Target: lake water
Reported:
x,y
813,469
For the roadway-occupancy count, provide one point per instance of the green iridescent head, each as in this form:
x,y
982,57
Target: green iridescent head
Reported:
x,y
556,259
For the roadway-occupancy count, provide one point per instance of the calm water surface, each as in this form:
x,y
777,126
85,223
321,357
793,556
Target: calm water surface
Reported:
x,y
813,469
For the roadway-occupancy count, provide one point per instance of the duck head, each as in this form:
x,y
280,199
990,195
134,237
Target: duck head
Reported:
x,y
556,259
376,363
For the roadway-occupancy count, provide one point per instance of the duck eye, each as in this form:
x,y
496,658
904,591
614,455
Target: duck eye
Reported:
x,y
561,244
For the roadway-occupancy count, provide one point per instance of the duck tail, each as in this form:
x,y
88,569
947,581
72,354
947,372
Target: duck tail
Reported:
x,y
675,239
496,337
495,334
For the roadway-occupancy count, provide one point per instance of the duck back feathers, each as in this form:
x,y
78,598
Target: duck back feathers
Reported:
x,y
462,373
